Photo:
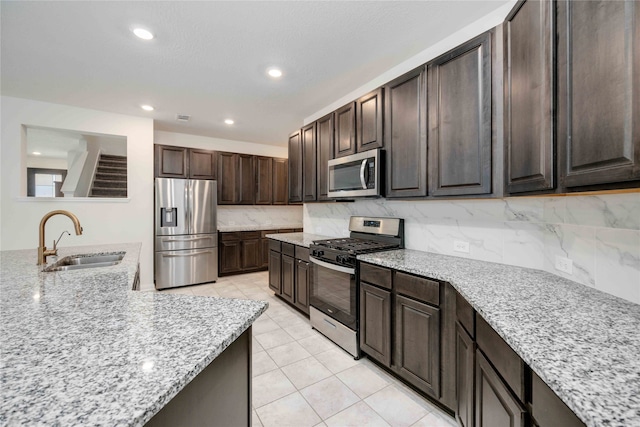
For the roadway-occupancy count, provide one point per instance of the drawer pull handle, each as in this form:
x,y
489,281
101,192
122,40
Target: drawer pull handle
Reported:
x,y
329,323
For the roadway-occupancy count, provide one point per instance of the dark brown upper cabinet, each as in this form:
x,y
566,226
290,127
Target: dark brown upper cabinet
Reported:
x,y
406,135
236,179
370,120
264,180
202,164
324,135
295,167
171,162
598,92
280,181
345,131
309,155
460,120
528,97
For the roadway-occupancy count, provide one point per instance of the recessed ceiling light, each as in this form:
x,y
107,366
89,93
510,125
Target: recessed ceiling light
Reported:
x,y
274,72
36,153
229,121
143,34
147,107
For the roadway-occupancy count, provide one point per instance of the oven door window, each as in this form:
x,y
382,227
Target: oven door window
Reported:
x,y
334,293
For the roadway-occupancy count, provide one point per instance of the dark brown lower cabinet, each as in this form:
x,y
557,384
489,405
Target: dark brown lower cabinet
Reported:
x,y
496,406
288,277
250,248
417,344
375,323
302,282
275,261
465,366
229,251
242,252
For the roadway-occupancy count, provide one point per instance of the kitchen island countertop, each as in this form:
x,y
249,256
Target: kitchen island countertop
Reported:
x,y
584,343
299,239
82,348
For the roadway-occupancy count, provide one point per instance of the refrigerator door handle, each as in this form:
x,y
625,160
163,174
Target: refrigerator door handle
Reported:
x,y
185,239
186,255
188,201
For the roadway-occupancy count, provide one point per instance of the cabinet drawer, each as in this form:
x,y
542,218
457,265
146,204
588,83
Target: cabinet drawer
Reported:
x,y
417,287
228,237
275,245
547,409
302,253
247,235
288,249
376,275
465,314
502,357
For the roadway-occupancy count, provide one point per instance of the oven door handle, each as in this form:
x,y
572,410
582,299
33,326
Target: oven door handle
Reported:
x,y
332,266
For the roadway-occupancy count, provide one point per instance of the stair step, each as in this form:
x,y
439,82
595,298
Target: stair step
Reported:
x,y
100,176
98,183
111,169
117,192
112,163
113,157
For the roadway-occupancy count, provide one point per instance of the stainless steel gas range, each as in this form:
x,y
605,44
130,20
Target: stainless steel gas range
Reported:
x,y
335,295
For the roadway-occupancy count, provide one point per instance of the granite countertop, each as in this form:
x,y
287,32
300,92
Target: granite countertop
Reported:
x,y
254,227
584,343
300,239
82,348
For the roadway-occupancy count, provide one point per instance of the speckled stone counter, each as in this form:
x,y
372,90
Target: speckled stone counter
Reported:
x,y
300,239
255,227
585,344
82,348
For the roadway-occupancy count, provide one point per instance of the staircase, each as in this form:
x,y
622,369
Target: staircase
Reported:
x,y
111,177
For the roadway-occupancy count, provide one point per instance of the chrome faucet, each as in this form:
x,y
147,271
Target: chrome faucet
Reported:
x,y
43,252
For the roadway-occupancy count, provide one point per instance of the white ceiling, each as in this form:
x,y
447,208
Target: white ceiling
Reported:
x,y
209,58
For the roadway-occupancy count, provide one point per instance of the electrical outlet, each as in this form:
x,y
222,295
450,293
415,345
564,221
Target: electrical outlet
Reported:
x,y
461,246
564,264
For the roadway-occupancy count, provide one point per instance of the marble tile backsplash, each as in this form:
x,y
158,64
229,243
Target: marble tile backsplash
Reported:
x,y
599,233
259,215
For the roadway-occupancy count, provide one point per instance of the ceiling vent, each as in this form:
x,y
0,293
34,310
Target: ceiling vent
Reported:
x,y
183,117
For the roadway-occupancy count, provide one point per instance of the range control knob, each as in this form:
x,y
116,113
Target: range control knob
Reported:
x,y
317,253
342,259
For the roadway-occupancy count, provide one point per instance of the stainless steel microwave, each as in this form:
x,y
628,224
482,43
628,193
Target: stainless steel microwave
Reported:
x,y
357,175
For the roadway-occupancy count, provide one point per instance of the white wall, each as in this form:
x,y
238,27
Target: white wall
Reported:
x,y
600,233
207,143
104,221
46,162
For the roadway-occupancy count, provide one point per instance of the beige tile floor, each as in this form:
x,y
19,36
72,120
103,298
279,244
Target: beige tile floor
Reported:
x,y
300,378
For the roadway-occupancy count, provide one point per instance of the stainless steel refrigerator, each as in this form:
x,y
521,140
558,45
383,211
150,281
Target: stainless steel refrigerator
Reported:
x,y
186,244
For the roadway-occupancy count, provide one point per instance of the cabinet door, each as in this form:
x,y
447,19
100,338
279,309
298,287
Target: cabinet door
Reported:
x,y
495,405
369,120
295,168
309,152
227,178
280,181
465,364
406,135
528,91
275,277
598,91
345,131
417,344
375,323
202,164
301,293
264,253
324,133
288,277
229,253
246,179
460,120
264,180
250,251
171,162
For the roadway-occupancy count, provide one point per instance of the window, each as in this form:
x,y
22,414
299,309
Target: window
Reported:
x,y
42,182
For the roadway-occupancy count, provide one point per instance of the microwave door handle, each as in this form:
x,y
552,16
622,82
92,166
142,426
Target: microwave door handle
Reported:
x,y
363,168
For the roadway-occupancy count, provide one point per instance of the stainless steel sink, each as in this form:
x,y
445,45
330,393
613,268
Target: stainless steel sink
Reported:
x,y
79,262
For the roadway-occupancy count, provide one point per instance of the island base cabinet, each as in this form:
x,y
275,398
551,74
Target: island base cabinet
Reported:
x,y
495,405
275,259
219,396
375,323
417,346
